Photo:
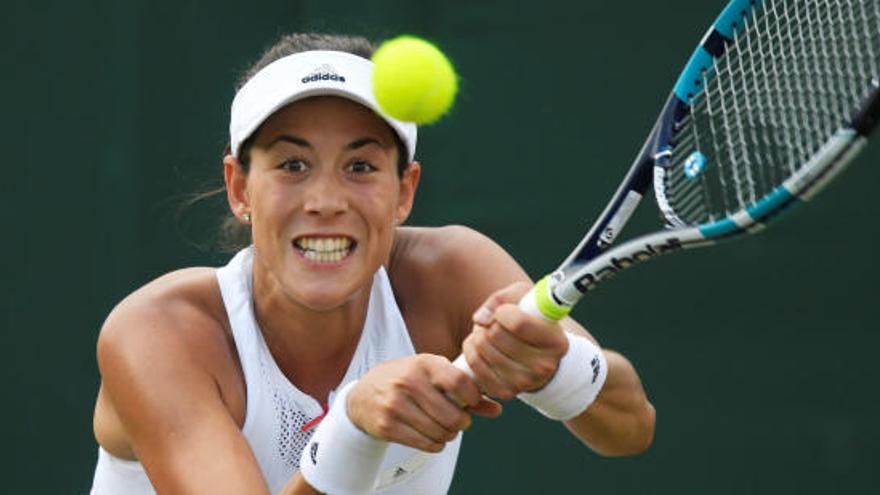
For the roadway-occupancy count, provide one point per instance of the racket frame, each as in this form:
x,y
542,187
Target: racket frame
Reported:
x,y
593,261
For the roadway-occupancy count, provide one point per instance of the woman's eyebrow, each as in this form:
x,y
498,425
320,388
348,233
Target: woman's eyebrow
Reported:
x,y
360,143
289,139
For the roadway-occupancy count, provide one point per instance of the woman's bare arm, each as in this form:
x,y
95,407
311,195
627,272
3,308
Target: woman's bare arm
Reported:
x,y
157,358
477,273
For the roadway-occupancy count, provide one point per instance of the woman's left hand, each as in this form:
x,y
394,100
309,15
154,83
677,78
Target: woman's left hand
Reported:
x,y
510,351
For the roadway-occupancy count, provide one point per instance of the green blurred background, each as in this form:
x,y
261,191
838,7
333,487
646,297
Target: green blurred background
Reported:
x,y
759,355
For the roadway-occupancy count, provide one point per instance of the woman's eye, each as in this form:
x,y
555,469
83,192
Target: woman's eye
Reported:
x,y
294,166
361,167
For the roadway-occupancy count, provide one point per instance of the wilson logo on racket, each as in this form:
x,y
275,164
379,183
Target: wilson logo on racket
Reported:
x,y
323,73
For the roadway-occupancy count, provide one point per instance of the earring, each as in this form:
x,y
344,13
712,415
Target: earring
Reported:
x,y
246,217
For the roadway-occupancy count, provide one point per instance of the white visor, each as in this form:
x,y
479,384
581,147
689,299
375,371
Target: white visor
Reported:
x,y
305,74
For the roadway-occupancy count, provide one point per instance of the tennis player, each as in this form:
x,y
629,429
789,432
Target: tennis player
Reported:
x,y
319,358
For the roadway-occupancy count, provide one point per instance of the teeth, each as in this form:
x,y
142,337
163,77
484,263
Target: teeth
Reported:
x,y
323,243
324,249
325,257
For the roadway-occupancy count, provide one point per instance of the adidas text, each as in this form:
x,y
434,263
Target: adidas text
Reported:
x,y
322,77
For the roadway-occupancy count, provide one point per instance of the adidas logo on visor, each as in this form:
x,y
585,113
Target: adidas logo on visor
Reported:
x,y
323,73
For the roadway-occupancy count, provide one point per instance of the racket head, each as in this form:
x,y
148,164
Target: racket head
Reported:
x,y
773,102
776,99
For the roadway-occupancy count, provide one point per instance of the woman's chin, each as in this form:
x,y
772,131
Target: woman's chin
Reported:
x,y
323,300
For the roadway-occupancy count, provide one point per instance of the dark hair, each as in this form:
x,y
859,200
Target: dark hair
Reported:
x,y
233,234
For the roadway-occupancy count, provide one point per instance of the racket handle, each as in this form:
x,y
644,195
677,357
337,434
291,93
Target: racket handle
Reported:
x,y
529,304
537,302
461,363
540,302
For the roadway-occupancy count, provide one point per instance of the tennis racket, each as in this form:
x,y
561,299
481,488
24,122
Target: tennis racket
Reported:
x,y
774,102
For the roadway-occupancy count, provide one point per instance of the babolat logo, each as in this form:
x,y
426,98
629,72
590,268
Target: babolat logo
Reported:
x,y
591,280
323,73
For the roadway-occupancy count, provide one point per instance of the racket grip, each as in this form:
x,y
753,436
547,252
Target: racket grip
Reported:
x,y
540,302
461,363
531,303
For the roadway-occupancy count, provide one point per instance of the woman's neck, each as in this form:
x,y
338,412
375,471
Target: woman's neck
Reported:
x,y
313,348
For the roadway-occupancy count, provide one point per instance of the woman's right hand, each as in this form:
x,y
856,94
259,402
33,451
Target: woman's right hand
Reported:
x,y
421,401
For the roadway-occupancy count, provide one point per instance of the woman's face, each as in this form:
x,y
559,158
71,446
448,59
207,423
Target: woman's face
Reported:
x,y
324,197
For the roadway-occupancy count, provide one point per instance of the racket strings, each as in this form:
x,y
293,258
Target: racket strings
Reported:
x,y
791,77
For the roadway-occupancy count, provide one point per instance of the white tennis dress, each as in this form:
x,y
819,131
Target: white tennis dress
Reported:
x,y
279,417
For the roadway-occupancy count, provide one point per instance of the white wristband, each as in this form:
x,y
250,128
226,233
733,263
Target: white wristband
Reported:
x,y
577,382
340,459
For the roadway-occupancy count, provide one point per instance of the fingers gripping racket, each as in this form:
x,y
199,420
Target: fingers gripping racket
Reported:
x,y
774,102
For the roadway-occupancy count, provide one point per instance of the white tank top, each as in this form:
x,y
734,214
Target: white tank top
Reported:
x,y
279,417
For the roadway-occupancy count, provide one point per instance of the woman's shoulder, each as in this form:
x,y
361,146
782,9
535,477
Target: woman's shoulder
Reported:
x,y
180,310
187,292
431,247
424,260
443,274
452,251
169,341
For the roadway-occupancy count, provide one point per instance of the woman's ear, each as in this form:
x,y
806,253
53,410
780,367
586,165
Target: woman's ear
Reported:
x,y
409,182
236,188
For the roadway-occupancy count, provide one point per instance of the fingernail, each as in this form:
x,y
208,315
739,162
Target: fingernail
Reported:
x,y
483,316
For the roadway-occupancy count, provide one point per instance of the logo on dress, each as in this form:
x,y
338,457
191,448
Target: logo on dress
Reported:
x,y
313,453
597,368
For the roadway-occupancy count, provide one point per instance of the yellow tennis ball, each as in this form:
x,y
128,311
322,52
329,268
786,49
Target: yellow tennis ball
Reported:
x,y
413,80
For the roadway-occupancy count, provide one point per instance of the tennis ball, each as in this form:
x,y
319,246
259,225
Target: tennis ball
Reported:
x,y
413,80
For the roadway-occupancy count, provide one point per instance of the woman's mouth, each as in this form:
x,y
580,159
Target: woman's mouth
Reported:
x,y
324,249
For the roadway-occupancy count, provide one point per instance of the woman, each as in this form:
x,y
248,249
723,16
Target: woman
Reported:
x,y
220,381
